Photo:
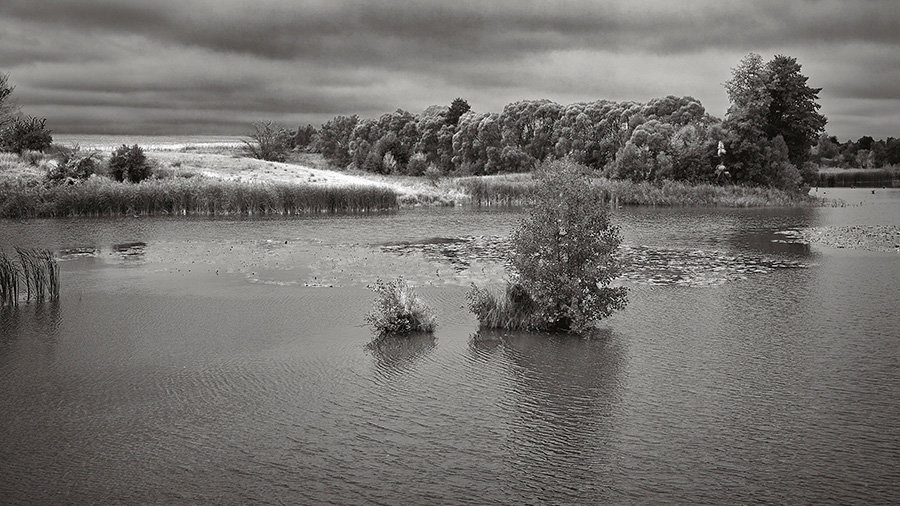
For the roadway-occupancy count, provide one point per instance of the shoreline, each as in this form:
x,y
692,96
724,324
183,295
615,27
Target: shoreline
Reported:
x,y
219,180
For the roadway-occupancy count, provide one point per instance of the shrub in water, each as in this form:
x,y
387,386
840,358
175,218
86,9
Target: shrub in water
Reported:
x,y
564,257
128,163
397,310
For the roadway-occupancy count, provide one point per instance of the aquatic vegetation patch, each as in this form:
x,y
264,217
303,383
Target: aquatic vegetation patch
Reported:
x,y
195,196
864,237
397,310
32,273
515,190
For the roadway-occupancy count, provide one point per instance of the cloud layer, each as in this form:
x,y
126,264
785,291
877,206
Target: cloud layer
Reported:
x,y
213,66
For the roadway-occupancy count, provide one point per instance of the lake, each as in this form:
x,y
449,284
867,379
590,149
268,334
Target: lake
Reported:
x,y
226,361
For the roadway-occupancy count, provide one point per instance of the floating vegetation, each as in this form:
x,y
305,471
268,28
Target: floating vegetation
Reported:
x,y
646,265
33,273
885,238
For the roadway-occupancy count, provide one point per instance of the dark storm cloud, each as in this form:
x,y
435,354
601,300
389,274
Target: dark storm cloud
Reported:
x,y
355,31
318,58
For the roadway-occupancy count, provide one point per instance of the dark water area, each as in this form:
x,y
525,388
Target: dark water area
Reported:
x,y
226,361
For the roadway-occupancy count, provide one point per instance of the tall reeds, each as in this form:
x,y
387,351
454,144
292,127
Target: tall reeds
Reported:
x,y
516,190
35,269
195,196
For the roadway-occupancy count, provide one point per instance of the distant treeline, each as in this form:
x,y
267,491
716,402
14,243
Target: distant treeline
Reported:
x,y
765,138
868,178
665,138
864,153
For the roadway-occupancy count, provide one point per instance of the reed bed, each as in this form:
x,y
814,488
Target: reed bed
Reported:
x,y
516,190
195,196
36,269
497,190
867,178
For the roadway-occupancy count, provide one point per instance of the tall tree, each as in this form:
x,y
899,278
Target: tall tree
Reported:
x,y
457,108
772,122
793,109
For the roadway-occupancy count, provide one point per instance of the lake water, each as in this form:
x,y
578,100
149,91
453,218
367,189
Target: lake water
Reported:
x,y
226,361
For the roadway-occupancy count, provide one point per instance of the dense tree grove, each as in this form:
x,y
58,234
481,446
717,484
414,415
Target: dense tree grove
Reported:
x,y
864,153
765,138
673,134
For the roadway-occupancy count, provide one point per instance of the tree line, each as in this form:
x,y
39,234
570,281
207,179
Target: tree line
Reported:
x,y
765,138
864,153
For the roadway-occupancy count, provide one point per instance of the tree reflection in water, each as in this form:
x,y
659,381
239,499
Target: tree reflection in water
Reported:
x,y
560,409
398,354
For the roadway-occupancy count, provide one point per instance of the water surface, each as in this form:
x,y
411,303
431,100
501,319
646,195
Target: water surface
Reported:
x,y
226,361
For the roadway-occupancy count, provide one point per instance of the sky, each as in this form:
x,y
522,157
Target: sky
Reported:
x,y
214,66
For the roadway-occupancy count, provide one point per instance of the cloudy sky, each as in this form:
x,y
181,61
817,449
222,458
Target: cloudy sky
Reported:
x,y
214,66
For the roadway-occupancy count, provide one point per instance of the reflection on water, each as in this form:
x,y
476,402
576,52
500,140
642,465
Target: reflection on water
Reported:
x,y
562,393
28,334
397,354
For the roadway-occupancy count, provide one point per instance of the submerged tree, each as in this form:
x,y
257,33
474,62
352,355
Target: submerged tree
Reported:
x,y
564,254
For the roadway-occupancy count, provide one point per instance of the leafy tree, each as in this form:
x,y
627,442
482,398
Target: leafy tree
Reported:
x,y
128,163
305,136
529,125
771,105
269,142
564,254
793,109
25,133
892,151
457,108
646,155
334,139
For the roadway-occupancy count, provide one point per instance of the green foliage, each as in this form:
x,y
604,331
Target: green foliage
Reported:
x,y
563,257
128,163
25,133
397,310
269,142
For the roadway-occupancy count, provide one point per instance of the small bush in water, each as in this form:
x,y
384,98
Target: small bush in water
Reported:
x,y
397,310
564,255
